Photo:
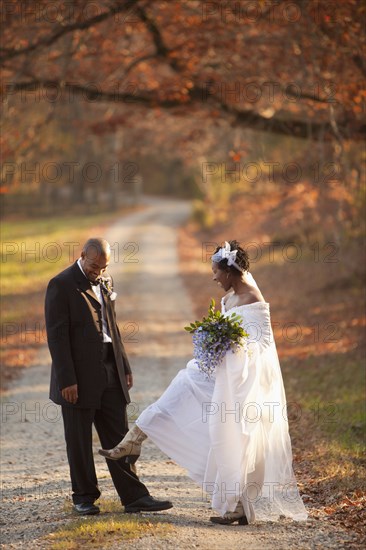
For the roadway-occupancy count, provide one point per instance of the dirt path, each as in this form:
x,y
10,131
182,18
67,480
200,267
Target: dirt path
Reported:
x,y
153,306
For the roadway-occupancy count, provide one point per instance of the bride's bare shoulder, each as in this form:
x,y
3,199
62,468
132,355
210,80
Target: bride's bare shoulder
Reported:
x,y
252,296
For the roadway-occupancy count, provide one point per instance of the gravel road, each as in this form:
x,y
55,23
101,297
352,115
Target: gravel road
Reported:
x,y
153,306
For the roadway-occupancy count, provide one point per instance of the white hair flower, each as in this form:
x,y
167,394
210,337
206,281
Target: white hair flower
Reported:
x,y
229,255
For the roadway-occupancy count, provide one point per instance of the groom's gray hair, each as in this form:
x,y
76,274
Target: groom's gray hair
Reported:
x,y
96,246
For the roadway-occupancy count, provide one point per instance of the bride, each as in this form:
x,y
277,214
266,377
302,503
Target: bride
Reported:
x,y
229,431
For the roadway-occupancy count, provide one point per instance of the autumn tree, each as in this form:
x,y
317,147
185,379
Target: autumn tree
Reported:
x,y
275,68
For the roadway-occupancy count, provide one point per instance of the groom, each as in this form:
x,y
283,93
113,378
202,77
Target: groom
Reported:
x,y
91,377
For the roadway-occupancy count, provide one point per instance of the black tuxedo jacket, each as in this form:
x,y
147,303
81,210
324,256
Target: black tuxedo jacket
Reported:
x,y
75,339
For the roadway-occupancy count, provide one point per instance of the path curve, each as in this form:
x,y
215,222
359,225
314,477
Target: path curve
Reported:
x,y
152,307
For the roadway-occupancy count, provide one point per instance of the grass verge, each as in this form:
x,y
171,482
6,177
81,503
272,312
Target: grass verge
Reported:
x,y
101,532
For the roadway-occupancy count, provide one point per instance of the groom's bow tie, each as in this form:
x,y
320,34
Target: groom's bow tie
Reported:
x,y
95,283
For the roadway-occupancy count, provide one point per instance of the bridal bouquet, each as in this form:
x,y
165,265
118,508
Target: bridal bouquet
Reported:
x,y
214,336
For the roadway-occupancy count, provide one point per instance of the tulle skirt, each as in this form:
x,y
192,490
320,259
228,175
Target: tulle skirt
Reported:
x,y
231,434
176,422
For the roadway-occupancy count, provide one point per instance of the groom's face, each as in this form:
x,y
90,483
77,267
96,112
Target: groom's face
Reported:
x,y
94,265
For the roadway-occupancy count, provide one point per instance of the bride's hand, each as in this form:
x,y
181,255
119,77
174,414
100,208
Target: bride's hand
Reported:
x,y
129,381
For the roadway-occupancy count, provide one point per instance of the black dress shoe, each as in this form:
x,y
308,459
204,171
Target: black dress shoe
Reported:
x,y
227,520
148,504
86,509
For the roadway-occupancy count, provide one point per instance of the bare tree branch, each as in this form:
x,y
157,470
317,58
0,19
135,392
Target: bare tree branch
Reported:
x,y
151,26
121,6
196,95
137,61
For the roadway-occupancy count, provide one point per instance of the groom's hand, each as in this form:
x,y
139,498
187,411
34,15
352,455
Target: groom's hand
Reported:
x,y
129,381
70,394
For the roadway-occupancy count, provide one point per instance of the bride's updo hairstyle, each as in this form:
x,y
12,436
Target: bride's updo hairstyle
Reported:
x,y
241,259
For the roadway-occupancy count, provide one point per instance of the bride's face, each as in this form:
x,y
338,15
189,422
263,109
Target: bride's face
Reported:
x,y
221,277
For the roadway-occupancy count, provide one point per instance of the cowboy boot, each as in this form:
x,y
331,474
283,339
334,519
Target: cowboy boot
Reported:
x,y
129,446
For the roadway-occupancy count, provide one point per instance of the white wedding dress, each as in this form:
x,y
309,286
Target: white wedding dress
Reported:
x,y
231,432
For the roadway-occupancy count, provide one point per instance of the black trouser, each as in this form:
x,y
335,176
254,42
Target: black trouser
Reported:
x,y
112,425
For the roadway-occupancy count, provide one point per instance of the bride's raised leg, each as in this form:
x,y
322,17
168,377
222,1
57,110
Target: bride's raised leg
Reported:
x,y
129,446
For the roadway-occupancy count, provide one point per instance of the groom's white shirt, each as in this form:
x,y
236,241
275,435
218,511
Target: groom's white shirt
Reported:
x,y
97,291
